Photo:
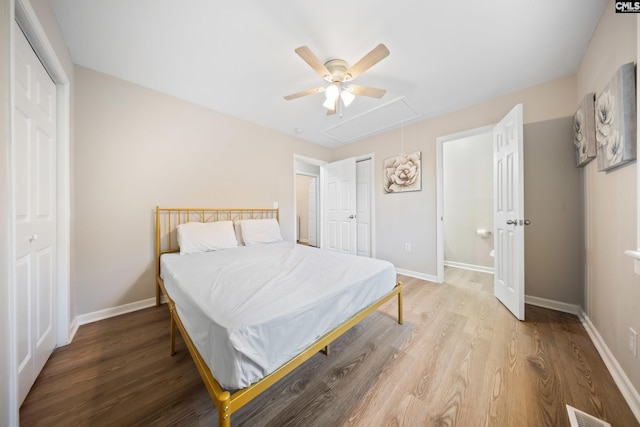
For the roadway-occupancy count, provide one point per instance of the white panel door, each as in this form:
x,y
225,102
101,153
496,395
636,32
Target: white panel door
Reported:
x,y
34,186
313,212
339,210
509,212
363,207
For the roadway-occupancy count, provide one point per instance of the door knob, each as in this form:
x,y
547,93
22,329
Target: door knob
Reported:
x,y
33,237
351,216
512,222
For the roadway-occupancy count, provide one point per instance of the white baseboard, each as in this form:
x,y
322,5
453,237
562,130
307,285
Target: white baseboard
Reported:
x,y
415,274
553,305
621,379
73,329
471,267
83,319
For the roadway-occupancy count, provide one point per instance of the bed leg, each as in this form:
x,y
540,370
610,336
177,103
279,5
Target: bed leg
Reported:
x,y
223,406
173,336
157,294
400,315
325,350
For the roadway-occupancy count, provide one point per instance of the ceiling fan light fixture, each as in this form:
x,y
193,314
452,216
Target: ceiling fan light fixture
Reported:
x,y
332,93
329,104
336,72
347,97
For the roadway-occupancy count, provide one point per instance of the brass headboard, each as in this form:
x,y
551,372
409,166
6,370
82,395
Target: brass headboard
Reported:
x,y
168,219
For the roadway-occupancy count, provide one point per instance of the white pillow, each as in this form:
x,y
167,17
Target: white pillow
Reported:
x,y
257,231
194,237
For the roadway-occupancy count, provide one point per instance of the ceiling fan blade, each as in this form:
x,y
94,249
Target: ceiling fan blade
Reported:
x,y
304,93
372,92
313,61
369,60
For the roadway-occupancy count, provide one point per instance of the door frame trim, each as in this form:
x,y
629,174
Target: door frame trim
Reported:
x,y
295,201
440,141
23,15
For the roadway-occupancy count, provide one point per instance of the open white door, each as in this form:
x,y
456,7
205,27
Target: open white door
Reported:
x,y
339,207
508,211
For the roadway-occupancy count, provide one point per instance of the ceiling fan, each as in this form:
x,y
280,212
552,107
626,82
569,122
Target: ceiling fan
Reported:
x,y
337,73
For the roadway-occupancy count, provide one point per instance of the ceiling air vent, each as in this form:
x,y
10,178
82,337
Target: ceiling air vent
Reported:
x,y
388,116
582,419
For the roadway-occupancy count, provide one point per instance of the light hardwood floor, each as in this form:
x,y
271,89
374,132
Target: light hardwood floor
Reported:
x,y
460,359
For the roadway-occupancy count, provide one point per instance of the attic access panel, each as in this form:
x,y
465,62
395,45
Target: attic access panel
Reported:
x,y
387,116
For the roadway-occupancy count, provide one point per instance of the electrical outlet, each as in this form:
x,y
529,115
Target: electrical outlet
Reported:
x,y
407,247
633,342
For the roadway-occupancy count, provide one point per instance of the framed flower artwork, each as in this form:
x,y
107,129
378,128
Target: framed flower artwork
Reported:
x,y
403,173
584,131
615,117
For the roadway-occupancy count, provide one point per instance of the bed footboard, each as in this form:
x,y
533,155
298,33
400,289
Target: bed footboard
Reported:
x,y
227,403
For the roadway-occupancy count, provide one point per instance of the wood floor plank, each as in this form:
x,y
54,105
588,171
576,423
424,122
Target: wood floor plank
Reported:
x,y
460,359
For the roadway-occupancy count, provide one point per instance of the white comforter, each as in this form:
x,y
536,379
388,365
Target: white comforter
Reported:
x,y
251,309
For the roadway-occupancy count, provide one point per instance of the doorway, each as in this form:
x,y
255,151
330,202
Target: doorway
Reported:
x,y
465,200
308,212
307,209
508,207
306,172
468,202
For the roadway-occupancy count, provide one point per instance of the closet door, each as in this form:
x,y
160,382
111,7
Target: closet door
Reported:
x,y
34,183
339,211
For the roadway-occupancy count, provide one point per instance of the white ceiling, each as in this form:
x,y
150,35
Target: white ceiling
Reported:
x,y
238,57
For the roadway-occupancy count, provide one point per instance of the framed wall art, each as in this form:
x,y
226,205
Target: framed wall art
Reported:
x,y
615,118
403,173
584,131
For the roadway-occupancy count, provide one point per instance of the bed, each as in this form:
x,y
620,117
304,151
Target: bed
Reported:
x,y
252,307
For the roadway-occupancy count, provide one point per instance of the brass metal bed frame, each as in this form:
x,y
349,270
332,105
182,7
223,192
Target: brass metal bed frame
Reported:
x,y
167,219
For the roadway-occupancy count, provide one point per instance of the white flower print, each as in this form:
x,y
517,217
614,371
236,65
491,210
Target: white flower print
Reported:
x,y
605,110
402,173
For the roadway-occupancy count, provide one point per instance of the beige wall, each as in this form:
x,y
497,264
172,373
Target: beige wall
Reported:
x,y
137,148
468,199
552,202
411,217
612,288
